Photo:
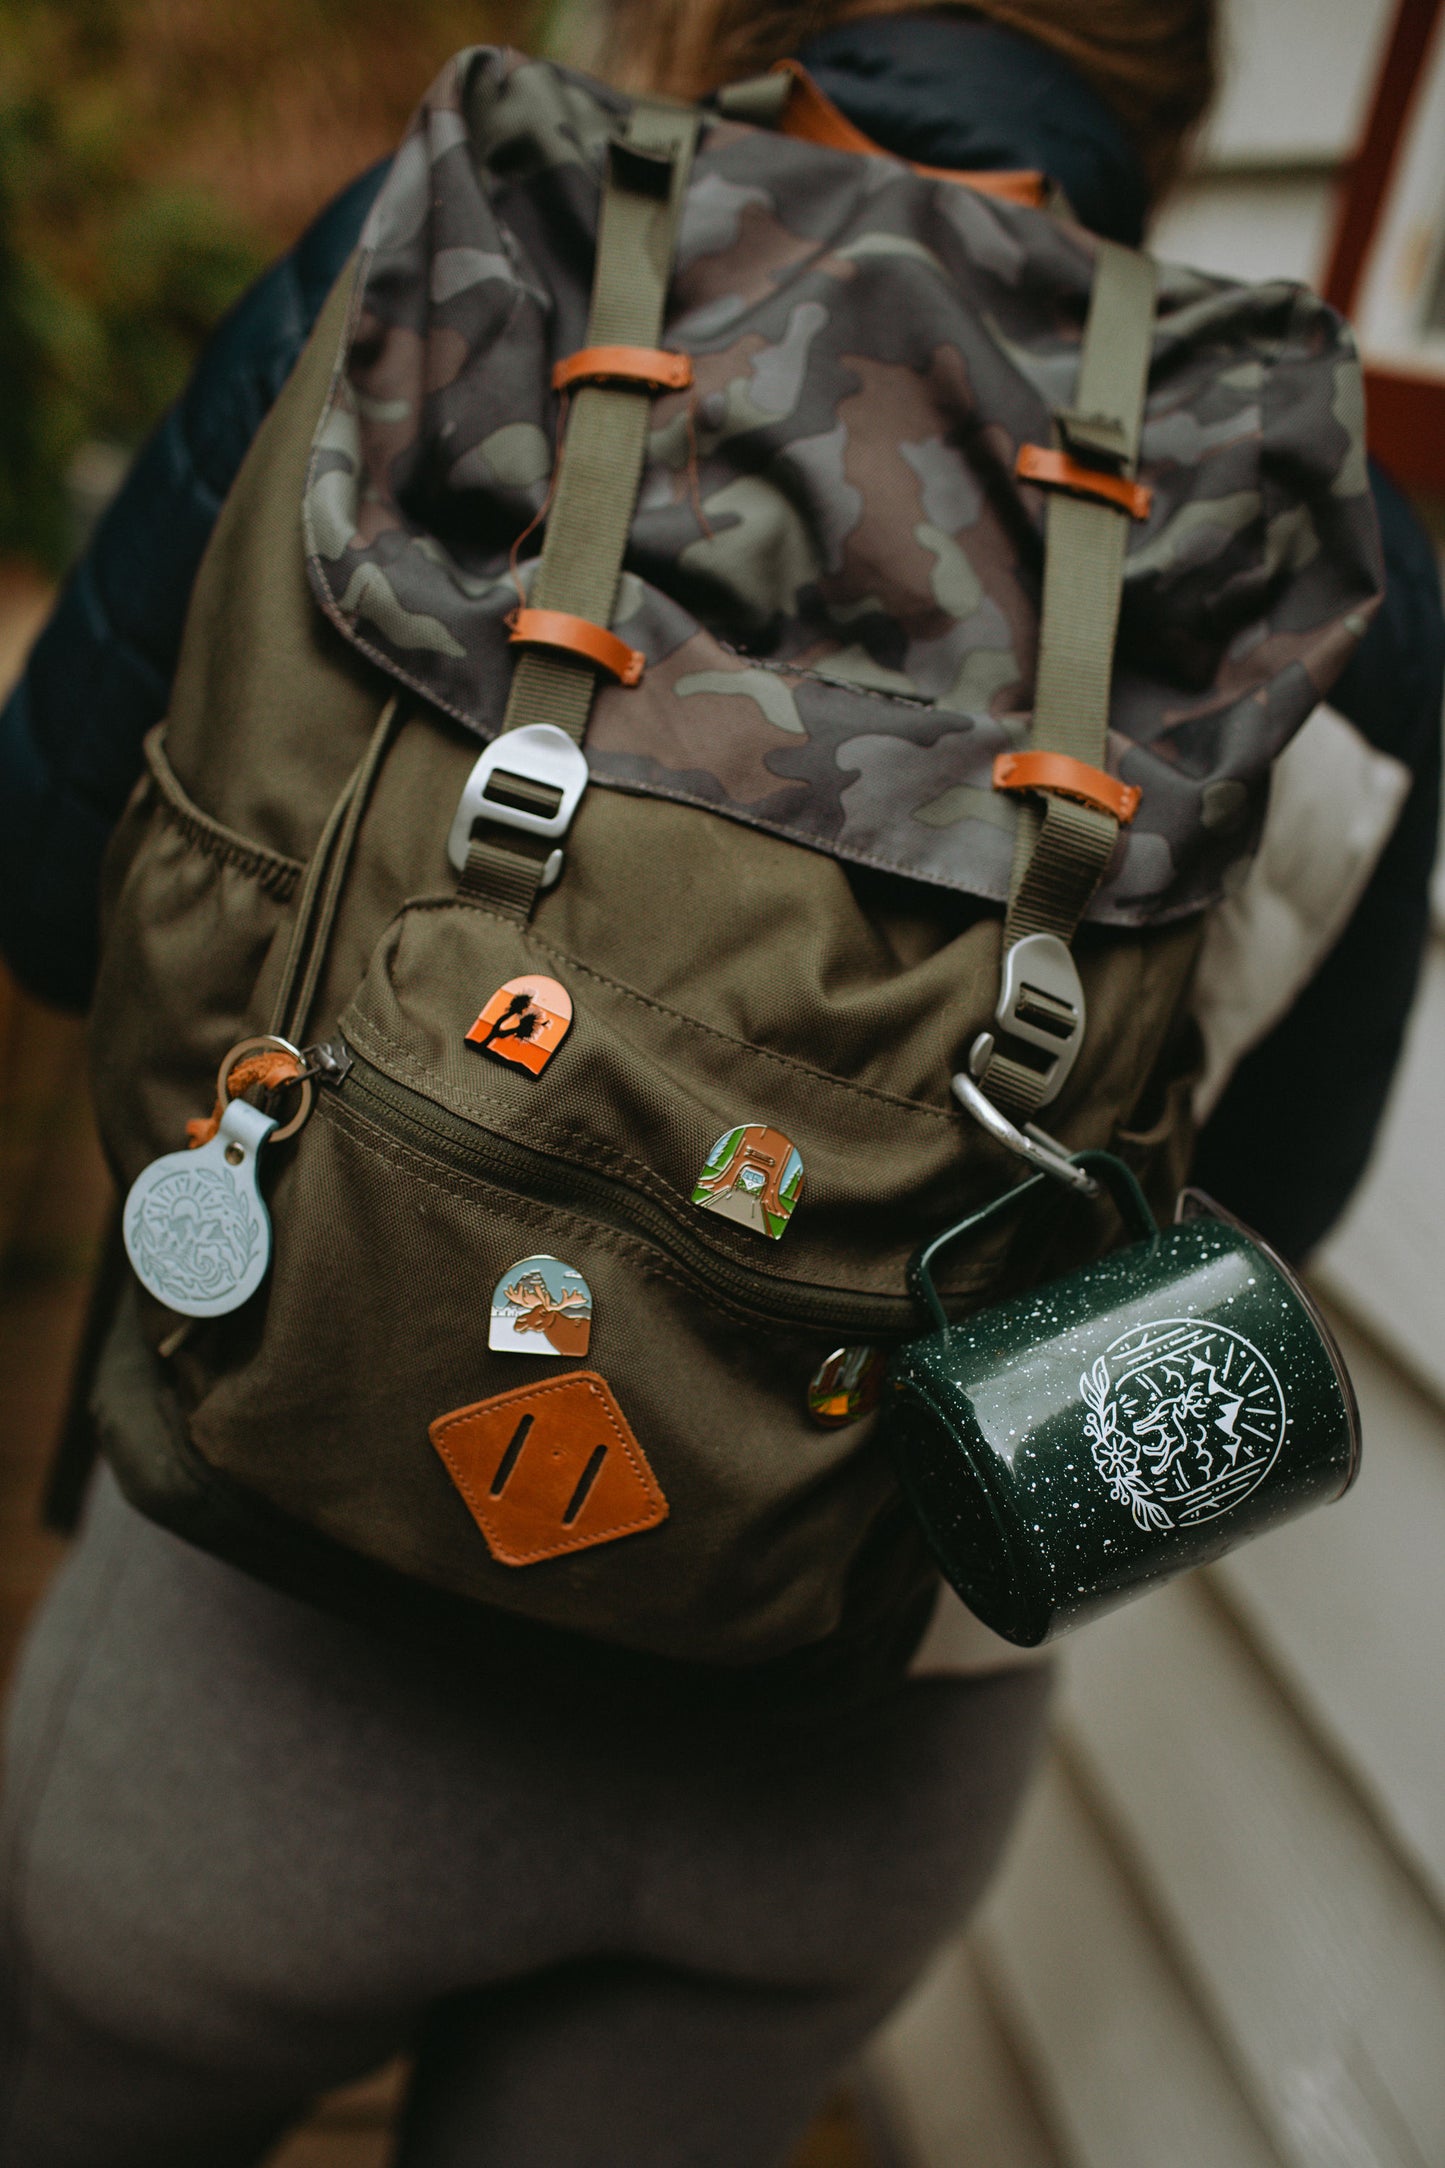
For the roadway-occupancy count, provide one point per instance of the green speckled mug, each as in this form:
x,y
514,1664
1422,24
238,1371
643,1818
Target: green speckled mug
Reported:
x,y
1068,1449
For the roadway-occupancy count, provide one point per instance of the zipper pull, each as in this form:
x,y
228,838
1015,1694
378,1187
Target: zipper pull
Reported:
x,y
329,1061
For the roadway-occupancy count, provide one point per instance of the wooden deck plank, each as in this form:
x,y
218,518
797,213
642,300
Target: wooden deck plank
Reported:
x,y
1348,1605
1307,1941
1127,2073
944,2084
1385,1265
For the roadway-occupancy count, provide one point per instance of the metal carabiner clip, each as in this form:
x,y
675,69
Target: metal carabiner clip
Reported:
x,y
1029,1143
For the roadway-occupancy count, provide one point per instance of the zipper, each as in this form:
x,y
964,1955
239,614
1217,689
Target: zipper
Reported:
x,y
465,1148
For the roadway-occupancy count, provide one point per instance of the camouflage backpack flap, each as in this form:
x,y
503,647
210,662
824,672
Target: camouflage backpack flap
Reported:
x,y
719,975
834,573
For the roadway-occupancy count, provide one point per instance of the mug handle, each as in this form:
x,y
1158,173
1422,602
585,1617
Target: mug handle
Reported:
x,y
1129,1200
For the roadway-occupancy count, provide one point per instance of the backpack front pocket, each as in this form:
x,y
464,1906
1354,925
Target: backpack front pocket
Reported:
x,y
366,1390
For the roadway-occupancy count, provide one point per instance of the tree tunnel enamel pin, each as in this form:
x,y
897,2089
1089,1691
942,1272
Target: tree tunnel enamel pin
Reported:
x,y
752,1175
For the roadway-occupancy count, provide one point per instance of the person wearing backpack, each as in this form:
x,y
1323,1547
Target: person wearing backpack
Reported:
x,y
632,1857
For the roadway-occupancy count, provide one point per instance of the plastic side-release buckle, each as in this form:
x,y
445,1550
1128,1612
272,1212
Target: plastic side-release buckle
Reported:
x,y
531,780
1041,1004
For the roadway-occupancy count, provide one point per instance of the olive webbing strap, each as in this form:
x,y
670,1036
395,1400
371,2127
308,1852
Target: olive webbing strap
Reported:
x,y
599,472
1062,847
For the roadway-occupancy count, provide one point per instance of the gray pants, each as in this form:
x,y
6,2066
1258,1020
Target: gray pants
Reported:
x,y
251,1852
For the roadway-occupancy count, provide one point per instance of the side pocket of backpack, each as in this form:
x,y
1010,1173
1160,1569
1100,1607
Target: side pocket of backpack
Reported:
x,y
191,909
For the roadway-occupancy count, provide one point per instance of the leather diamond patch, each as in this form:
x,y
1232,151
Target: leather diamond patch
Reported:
x,y
548,1469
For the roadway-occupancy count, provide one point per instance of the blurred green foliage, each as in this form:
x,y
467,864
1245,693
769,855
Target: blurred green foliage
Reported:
x,y
153,154
109,276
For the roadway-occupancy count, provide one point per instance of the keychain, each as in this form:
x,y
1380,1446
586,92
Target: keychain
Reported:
x,y
195,1225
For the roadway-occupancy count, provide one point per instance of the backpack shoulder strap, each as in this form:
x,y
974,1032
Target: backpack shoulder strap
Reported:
x,y
521,796
1069,822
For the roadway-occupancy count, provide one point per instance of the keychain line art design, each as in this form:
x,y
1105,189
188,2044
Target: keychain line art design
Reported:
x,y
195,1224
195,1227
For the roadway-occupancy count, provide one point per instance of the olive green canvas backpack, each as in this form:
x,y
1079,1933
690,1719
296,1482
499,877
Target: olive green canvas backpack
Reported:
x,y
614,744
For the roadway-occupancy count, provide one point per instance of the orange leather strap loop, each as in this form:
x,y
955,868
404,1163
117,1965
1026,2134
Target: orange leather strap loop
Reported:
x,y
1066,777
269,1070
1057,470
578,636
655,367
812,117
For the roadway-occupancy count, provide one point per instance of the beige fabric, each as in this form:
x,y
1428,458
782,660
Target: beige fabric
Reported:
x,y
1333,804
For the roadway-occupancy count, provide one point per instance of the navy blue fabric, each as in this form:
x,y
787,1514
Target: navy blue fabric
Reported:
x,y
953,90
1294,1130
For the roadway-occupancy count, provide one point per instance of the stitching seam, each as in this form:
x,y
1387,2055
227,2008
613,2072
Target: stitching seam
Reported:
x,y
787,1062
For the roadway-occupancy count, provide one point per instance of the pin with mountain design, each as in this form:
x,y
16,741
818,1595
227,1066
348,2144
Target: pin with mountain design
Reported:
x,y
541,1307
846,1386
524,1023
752,1175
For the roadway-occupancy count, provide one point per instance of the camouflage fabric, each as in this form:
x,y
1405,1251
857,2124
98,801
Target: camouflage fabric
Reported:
x,y
833,572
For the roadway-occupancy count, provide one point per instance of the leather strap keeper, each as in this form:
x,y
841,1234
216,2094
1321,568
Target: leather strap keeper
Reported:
x,y
655,368
1057,470
578,636
1065,777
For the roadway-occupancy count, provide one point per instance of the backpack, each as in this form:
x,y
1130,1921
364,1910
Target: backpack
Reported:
x,y
755,463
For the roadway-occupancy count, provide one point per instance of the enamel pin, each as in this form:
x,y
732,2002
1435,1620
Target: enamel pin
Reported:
x,y
541,1307
524,1023
846,1386
195,1227
752,1175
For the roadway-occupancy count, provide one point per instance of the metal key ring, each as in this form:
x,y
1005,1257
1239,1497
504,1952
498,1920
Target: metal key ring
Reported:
x,y
267,1044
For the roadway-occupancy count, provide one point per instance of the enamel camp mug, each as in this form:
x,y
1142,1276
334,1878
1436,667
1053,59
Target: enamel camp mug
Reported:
x,y
1069,1449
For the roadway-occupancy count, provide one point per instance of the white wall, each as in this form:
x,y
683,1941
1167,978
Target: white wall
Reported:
x,y
1297,79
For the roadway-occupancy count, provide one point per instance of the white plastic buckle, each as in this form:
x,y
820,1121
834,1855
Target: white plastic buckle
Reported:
x,y
539,753
1041,1003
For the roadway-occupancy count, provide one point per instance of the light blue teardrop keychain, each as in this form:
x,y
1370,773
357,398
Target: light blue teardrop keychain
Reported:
x,y
196,1229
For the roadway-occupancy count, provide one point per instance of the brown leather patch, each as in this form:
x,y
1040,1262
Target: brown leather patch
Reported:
x,y
548,1469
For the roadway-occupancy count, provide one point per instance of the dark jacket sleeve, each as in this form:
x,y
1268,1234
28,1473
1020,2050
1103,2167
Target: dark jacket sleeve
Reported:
x,y
1291,1135
100,673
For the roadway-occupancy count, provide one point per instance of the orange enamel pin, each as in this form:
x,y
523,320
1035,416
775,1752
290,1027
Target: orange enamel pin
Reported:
x,y
549,1469
524,1023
